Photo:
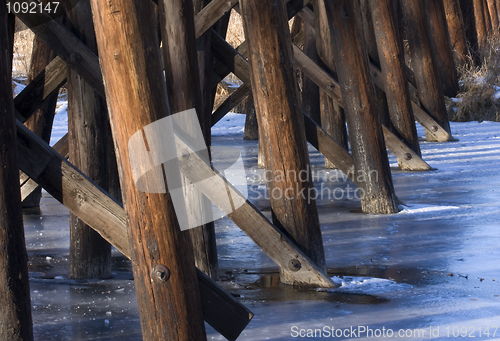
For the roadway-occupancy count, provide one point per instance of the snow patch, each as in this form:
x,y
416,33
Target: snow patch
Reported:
x,y
419,208
367,285
19,87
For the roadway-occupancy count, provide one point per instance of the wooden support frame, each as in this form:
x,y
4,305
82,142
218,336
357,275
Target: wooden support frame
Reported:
x,y
104,214
236,63
424,118
53,36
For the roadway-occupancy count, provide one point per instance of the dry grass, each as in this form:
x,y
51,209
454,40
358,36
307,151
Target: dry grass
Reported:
x,y
23,44
479,96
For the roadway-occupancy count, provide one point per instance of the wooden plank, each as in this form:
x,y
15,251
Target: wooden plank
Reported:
x,y
433,128
41,87
333,151
211,13
233,100
104,214
407,158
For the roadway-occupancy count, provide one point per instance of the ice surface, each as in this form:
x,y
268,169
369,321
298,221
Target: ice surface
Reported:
x,y
434,264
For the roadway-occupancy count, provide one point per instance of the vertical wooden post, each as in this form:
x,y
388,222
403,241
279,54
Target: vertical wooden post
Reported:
x,y
90,145
170,307
251,126
440,40
310,91
429,86
332,114
365,131
481,30
15,303
487,20
456,30
281,126
492,9
184,93
390,48
370,43
467,8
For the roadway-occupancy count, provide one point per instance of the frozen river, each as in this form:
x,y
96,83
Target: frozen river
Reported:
x,y
430,272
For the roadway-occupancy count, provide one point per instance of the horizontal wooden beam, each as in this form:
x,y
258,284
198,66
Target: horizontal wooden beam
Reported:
x,y
211,13
104,214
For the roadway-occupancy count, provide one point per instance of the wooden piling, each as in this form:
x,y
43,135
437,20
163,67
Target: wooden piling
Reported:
x,y
456,30
441,44
493,12
481,25
332,114
90,150
251,126
424,64
281,126
310,91
15,303
365,131
390,48
170,307
184,92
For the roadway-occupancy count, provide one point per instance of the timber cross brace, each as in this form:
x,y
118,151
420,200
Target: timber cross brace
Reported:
x,y
47,167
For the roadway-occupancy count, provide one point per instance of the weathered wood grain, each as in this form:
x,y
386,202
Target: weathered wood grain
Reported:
x,y
365,131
